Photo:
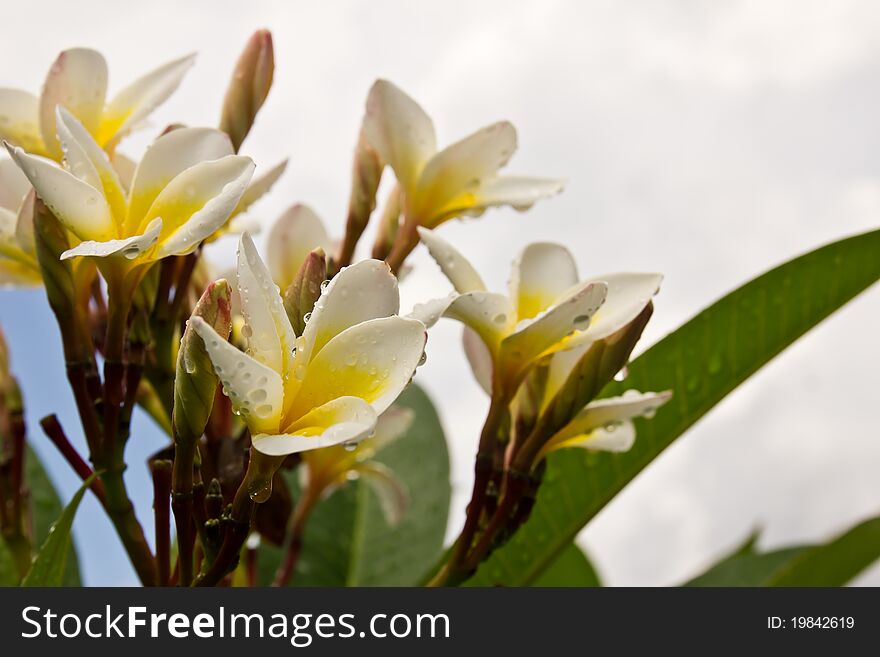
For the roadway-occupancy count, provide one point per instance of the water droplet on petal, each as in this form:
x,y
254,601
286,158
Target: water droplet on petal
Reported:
x,y
260,490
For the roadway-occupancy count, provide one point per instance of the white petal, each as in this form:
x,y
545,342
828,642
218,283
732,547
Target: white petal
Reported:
x,y
519,192
616,438
136,101
270,336
400,131
366,290
209,191
487,313
255,390
547,332
88,162
610,412
80,207
168,156
429,312
540,276
292,237
342,420
373,360
628,294
259,187
129,248
479,357
19,120
78,81
14,185
460,169
453,264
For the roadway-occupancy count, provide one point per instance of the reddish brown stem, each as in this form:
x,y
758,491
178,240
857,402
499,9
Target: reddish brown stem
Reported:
x,y
53,429
161,470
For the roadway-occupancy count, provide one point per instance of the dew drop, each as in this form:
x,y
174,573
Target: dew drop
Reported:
x,y
307,317
622,374
324,286
581,322
349,445
260,490
500,318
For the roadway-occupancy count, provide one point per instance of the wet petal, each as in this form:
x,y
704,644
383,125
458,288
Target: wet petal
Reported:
x,y
198,201
342,420
366,290
429,312
19,120
78,81
453,264
88,162
520,193
400,131
168,156
259,187
615,438
628,294
460,169
540,276
546,333
79,206
373,360
489,314
270,336
14,185
255,390
136,101
129,247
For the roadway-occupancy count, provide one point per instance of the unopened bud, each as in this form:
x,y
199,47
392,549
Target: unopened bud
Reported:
x,y
301,295
195,381
389,225
365,176
249,87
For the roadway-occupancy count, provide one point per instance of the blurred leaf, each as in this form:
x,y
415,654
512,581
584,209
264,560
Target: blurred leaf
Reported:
x,y
49,566
756,569
831,564
348,542
46,507
8,574
571,569
702,361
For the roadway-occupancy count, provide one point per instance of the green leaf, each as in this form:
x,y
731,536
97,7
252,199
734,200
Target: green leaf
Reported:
x,y
831,564
756,569
702,361
49,566
347,540
8,572
570,569
45,508
835,563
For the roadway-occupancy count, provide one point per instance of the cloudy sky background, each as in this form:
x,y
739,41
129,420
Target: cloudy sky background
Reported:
x,y
707,141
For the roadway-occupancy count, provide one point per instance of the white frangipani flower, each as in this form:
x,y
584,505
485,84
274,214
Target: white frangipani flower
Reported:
x,y
77,81
329,385
185,187
548,314
462,179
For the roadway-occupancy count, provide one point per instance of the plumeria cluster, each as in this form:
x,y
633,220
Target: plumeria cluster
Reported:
x,y
296,361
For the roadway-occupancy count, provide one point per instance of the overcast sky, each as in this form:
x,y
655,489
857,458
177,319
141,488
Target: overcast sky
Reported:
x,y
707,141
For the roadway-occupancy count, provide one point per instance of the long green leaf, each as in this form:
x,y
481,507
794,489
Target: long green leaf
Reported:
x,y
348,541
570,569
701,362
48,568
756,569
831,564
46,507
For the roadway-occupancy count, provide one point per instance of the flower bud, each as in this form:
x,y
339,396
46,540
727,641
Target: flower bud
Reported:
x,y
301,295
389,225
195,382
249,87
365,176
